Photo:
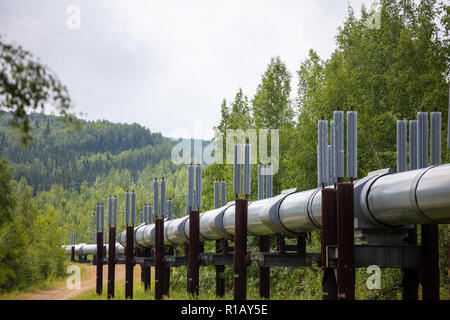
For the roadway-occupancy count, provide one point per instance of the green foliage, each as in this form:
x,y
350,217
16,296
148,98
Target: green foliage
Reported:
x,y
7,200
30,244
62,156
27,85
271,104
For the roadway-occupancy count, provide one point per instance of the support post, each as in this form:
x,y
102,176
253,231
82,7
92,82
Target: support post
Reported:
x,y
240,249
129,262
345,241
193,252
72,254
159,258
430,264
111,261
410,277
264,272
220,280
329,237
100,254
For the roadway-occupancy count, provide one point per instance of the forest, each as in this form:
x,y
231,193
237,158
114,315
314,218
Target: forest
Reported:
x,y
51,185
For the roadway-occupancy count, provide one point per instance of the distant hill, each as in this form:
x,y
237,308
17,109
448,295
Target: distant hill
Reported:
x,y
67,157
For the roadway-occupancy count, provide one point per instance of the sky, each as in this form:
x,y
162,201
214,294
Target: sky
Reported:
x,y
168,65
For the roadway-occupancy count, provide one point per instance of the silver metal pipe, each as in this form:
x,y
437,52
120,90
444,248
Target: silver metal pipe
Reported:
x,y
383,199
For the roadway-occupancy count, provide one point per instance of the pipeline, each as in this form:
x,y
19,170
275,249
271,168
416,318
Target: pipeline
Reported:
x,y
383,200
84,249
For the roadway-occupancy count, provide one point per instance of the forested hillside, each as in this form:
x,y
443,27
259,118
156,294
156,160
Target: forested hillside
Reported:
x,y
59,154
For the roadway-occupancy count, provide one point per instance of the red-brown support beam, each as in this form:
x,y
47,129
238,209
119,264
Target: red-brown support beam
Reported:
x,y
129,262
159,258
264,272
193,252
100,254
430,264
111,261
240,249
220,280
345,241
410,277
72,254
329,238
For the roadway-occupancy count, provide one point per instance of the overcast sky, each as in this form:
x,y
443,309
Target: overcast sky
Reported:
x,y
167,64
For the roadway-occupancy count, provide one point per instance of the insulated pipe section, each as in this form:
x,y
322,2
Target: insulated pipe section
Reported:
x,y
322,153
155,197
352,144
422,140
413,144
331,155
269,181
190,194
237,169
386,200
411,197
260,182
216,194
247,170
163,213
198,186
110,212
223,191
133,208
401,146
338,118
435,137
84,249
127,207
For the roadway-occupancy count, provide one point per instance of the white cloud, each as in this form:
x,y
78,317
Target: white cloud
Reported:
x,y
166,64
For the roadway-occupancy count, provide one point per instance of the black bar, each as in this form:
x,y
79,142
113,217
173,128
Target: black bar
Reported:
x,y
345,241
329,237
129,263
159,258
430,266
193,253
111,261
240,249
99,263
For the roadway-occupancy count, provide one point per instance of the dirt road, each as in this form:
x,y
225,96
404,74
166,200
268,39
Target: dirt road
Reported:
x,y
88,282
